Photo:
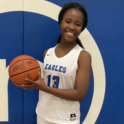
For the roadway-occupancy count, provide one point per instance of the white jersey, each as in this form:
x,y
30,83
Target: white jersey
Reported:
x,y
60,73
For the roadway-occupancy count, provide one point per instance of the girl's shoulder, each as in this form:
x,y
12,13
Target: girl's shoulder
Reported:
x,y
47,51
84,56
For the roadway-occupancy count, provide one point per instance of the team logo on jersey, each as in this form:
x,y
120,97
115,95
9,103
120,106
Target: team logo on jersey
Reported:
x,y
55,68
49,54
72,117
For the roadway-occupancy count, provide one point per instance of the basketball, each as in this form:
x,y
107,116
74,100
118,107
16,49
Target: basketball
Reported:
x,y
22,67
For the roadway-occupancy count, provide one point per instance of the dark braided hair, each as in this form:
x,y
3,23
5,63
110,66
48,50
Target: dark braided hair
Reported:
x,y
75,6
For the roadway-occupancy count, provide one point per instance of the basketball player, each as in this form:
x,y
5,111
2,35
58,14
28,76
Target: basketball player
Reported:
x,y
67,68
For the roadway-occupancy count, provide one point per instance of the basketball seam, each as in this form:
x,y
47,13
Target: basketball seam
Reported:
x,y
24,71
21,84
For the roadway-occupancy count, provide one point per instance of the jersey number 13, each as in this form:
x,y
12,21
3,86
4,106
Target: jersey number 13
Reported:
x,y
55,79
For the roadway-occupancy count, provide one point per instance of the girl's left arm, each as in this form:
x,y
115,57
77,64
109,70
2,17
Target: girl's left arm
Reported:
x,y
81,82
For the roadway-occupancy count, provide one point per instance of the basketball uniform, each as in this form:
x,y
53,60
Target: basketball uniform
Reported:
x,y
59,73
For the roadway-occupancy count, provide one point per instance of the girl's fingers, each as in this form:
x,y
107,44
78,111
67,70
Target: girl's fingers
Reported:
x,y
29,80
28,87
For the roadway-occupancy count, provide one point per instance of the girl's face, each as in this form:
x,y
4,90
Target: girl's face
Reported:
x,y
71,25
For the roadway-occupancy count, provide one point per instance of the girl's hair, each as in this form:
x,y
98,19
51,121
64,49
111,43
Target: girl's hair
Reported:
x,y
75,6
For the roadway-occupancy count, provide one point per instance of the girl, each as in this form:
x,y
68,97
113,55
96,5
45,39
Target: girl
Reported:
x,y
67,68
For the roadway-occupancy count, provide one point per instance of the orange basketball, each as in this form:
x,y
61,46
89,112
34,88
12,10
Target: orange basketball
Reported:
x,y
22,67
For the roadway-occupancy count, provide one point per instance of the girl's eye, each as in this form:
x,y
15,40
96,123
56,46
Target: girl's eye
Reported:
x,y
78,25
68,22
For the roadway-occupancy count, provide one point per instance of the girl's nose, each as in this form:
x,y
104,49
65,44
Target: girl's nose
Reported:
x,y
71,27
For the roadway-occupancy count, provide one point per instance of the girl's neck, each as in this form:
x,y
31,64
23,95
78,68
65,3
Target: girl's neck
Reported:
x,y
64,44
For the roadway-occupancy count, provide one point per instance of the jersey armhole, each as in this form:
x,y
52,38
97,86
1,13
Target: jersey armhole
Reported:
x,y
44,54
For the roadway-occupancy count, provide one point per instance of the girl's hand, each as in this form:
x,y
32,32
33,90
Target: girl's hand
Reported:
x,y
39,84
